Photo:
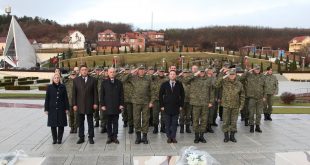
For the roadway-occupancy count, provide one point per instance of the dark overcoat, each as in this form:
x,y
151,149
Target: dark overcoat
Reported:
x,y
112,96
171,99
84,95
56,104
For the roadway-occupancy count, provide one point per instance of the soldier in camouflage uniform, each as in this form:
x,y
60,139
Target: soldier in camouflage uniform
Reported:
x,y
233,102
185,114
256,91
222,73
96,75
201,97
158,79
72,115
245,110
127,113
141,100
212,111
150,72
271,90
103,116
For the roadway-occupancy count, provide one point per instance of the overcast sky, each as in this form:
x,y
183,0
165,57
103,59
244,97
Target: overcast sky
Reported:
x,y
169,13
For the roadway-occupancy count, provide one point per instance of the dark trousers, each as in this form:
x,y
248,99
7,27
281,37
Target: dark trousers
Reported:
x,y
90,123
171,123
57,135
112,126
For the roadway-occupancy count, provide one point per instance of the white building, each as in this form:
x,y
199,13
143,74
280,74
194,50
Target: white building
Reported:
x,y
74,40
18,51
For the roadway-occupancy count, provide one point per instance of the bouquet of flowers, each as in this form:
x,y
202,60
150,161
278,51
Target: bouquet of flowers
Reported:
x,y
12,157
192,156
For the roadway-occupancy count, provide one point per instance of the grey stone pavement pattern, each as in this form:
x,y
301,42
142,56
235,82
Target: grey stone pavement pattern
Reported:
x,y
25,128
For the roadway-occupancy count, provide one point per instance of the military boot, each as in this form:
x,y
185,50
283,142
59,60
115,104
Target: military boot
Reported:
x,y
125,124
155,131
138,138
188,129
182,128
265,116
257,129
202,138
252,128
226,137
144,139
246,122
269,117
232,137
209,129
162,128
196,140
130,131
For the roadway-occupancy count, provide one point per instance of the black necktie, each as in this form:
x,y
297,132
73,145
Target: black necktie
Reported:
x,y
172,86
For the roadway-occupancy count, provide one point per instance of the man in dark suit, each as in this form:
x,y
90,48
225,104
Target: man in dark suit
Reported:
x,y
112,102
171,100
85,101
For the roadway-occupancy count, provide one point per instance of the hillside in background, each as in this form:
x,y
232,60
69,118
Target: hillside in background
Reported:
x,y
231,37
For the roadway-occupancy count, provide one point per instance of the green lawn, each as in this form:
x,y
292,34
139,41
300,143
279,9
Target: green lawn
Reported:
x,y
21,95
291,111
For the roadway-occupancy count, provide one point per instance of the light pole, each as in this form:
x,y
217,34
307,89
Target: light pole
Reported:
x,y
182,60
115,61
303,63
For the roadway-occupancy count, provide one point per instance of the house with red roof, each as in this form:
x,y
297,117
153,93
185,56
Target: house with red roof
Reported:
x,y
298,43
135,40
107,35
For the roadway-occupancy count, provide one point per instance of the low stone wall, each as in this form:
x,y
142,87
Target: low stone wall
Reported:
x,y
21,74
297,76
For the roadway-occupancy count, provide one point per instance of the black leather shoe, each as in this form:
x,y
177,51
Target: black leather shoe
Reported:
x,y
174,141
91,141
109,141
155,131
125,124
115,140
80,141
169,140
103,130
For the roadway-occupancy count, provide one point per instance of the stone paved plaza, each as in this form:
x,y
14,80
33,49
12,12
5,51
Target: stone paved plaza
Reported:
x,y
25,128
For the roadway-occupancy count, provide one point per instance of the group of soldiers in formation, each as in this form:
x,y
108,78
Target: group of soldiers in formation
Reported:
x,y
209,92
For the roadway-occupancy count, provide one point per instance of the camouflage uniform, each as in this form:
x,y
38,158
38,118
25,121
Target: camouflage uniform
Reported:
x,y
232,101
155,86
201,95
245,110
72,115
127,113
140,99
256,92
185,114
271,89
